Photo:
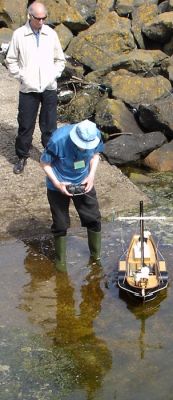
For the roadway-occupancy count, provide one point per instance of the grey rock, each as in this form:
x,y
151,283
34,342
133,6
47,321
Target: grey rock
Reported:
x,y
130,148
158,116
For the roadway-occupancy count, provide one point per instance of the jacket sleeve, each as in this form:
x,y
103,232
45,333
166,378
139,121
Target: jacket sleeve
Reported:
x,y
12,58
59,58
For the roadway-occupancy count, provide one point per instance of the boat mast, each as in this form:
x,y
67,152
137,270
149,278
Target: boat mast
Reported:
x,y
142,233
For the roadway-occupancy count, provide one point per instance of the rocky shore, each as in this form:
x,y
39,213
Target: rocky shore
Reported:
x,y
24,208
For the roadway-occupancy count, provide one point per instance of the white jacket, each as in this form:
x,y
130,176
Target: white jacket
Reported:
x,y
35,66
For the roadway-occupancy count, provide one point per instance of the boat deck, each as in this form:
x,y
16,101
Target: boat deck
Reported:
x,y
152,282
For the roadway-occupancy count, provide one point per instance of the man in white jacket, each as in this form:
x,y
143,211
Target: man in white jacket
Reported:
x,y
35,57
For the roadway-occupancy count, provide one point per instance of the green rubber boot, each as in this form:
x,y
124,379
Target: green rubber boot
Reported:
x,y
60,251
94,243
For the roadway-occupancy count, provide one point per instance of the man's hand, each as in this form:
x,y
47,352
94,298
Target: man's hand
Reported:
x,y
50,173
88,182
62,187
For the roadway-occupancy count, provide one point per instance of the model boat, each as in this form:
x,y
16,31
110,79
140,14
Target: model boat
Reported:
x,y
142,270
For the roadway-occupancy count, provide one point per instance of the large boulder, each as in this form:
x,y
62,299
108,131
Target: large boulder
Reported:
x,y
135,90
141,61
103,7
13,13
163,7
159,28
141,15
113,116
86,8
161,159
130,148
126,7
61,12
98,46
65,35
158,116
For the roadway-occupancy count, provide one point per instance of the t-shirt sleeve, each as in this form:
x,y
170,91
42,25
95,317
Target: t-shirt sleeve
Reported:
x,y
99,148
50,153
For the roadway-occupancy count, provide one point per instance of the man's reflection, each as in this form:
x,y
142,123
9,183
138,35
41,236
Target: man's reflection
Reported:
x,y
50,301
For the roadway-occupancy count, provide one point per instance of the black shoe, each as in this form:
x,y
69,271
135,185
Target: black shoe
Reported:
x,y
19,166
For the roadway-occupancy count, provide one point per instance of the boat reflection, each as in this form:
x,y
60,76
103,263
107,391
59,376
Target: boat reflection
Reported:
x,y
142,312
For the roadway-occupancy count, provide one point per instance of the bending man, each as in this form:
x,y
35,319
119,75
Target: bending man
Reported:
x,y
71,157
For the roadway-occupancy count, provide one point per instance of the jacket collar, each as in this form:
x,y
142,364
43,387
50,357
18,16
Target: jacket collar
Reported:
x,y
29,31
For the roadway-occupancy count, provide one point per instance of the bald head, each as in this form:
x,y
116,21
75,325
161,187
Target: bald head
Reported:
x,y
37,7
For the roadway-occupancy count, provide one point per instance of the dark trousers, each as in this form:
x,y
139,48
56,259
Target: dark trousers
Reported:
x,y
86,206
27,114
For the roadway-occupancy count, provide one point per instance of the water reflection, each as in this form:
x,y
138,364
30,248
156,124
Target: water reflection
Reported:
x,y
142,312
75,330
51,301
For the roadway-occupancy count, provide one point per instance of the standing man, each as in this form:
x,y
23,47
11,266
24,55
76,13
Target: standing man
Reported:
x,y
70,159
35,57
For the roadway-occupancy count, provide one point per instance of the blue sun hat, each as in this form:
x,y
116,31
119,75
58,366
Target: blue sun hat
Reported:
x,y
85,135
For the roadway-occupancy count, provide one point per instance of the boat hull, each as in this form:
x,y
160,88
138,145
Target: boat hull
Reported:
x,y
141,294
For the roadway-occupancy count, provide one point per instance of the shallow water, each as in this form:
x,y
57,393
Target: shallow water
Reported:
x,y
71,335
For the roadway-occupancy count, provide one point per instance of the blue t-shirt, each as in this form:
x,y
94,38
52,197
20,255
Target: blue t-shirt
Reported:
x,y
63,154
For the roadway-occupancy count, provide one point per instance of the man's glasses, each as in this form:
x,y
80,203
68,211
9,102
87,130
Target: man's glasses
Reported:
x,y
37,18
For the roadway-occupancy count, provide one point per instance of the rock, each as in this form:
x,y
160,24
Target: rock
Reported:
x,y
159,28
163,7
139,178
124,7
103,7
141,15
61,12
130,148
64,34
13,13
136,90
168,47
140,61
167,67
112,115
86,8
127,7
115,191
161,159
158,116
73,68
96,48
